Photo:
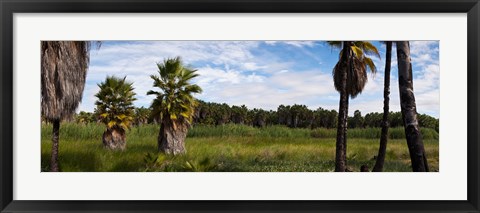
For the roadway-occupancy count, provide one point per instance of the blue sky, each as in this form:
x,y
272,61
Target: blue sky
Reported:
x,y
263,74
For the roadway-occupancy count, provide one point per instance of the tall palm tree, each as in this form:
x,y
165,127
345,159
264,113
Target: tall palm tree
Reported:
x,y
115,109
350,77
409,108
174,105
64,67
386,92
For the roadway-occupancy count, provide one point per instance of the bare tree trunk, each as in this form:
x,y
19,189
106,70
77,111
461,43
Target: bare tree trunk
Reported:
x,y
55,136
341,155
345,129
114,139
171,139
386,92
409,109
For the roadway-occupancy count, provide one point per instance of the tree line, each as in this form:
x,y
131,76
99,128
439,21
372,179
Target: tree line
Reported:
x,y
294,116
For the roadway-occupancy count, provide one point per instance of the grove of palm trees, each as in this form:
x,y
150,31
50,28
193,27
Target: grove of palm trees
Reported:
x,y
240,106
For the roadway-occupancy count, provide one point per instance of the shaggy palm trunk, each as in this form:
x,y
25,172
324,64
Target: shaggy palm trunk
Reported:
x,y
63,71
341,146
386,92
114,139
171,139
54,160
409,109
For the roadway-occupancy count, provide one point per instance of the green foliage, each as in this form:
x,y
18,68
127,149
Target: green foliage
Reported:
x,y
141,116
93,131
114,106
205,165
85,117
428,121
168,163
221,114
73,131
159,163
234,130
374,119
279,149
175,100
373,133
296,116
354,60
357,121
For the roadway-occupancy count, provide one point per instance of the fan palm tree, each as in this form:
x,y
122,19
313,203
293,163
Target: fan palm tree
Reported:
x,y
409,108
141,116
174,106
64,67
350,77
239,114
115,109
386,92
84,118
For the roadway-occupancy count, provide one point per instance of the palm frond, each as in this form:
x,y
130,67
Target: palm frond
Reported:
x,y
335,44
371,65
355,67
368,48
357,51
115,102
175,100
63,67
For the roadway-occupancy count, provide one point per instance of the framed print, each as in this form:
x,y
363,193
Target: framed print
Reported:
x,y
261,106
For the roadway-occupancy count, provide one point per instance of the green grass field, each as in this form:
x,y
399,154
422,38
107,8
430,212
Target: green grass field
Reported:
x,y
232,148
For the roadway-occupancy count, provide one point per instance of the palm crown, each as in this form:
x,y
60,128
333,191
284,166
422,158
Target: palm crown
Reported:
x,y
360,64
175,100
115,102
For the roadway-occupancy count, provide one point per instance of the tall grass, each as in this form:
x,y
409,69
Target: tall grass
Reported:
x,y
373,133
234,148
94,131
247,131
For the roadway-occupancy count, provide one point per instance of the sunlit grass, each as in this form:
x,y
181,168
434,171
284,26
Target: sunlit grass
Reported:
x,y
227,148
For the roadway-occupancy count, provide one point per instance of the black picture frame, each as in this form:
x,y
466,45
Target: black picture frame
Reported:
x,y
9,7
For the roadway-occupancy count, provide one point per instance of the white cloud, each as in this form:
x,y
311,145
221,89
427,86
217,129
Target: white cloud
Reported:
x,y
426,83
421,52
252,66
236,73
423,47
256,91
88,99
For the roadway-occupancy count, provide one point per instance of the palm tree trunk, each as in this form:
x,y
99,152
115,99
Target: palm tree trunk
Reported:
x,y
341,155
171,139
386,92
114,139
345,129
54,159
409,109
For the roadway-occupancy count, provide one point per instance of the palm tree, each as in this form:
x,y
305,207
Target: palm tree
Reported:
x,y
64,67
174,105
84,117
386,92
115,109
283,115
141,116
222,113
409,108
260,119
350,77
239,114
